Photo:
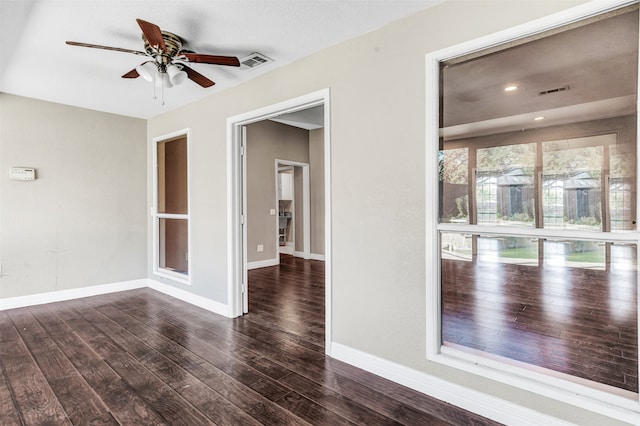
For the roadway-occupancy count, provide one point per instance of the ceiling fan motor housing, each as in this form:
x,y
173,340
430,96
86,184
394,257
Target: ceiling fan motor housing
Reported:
x,y
173,44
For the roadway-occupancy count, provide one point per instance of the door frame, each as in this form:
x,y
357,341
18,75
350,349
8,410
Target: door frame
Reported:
x,y
236,199
306,206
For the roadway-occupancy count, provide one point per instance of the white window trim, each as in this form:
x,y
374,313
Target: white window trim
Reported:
x,y
156,216
546,383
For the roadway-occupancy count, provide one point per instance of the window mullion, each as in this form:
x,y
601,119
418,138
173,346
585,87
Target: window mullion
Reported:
x,y
473,200
538,188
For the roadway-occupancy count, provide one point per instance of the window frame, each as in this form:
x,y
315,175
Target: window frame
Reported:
x,y
157,216
540,381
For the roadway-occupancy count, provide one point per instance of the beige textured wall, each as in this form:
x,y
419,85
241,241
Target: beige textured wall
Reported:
x,y
266,142
83,222
377,84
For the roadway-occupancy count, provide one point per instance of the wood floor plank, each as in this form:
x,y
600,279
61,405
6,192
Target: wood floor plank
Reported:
x,y
251,396
142,357
124,404
372,399
408,397
225,342
244,366
212,404
8,408
313,413
165,401
575,321
80,403
336,402
36,401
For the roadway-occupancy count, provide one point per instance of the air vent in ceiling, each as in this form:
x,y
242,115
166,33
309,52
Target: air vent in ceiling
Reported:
x,y
554,90
254,60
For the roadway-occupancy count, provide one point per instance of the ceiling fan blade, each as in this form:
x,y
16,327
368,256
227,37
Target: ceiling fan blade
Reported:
x,y
153,34
131,74
98,46
197,77
211,59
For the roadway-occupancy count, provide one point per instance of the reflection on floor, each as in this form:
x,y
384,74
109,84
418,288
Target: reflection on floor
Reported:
x,y
286,312
577,321
141,357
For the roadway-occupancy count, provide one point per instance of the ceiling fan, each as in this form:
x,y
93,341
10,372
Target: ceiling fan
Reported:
x,y
167,61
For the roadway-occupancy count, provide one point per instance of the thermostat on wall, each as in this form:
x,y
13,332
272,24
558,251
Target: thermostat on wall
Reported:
x,y
22,173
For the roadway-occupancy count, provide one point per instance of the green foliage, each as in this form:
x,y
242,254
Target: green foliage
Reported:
x,y
521,217
454,166
558,159
586,256
588,221
507,157
520,253
622,162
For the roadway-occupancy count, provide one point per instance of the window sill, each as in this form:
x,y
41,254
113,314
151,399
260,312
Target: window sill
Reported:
x,y
615,403
173,276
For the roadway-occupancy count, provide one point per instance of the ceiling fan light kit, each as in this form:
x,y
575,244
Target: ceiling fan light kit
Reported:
x,y
176,75
167,64
147,71
162,80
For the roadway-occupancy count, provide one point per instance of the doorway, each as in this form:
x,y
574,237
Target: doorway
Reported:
x,y
286,202
237,197
293,203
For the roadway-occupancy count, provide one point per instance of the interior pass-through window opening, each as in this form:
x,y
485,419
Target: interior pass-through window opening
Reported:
x,y
537,190
171,212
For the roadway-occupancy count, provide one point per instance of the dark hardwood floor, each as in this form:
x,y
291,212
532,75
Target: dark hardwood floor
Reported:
x,y
141,357
582,322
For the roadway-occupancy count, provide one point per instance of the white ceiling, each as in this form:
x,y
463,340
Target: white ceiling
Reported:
x,y
597,64
309,119
36,62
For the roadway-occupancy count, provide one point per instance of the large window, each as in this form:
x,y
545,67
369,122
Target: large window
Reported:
x,y
536,239
171,207
504,184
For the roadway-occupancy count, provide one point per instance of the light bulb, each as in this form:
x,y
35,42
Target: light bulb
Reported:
x,y
176,75
162,80
147,70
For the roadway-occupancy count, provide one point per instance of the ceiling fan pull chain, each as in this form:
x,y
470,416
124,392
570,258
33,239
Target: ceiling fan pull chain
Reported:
x,y
154,86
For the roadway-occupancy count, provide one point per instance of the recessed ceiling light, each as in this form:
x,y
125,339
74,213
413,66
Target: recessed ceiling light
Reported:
x,y
511,88
539,118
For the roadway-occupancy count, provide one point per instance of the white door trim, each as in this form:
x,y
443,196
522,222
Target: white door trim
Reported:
x,y
236,266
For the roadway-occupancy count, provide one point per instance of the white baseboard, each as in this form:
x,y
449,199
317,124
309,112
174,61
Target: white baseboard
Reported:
x,y
287,249
74,293
96,290
194,299
485,405
315,256
263,263
312,256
